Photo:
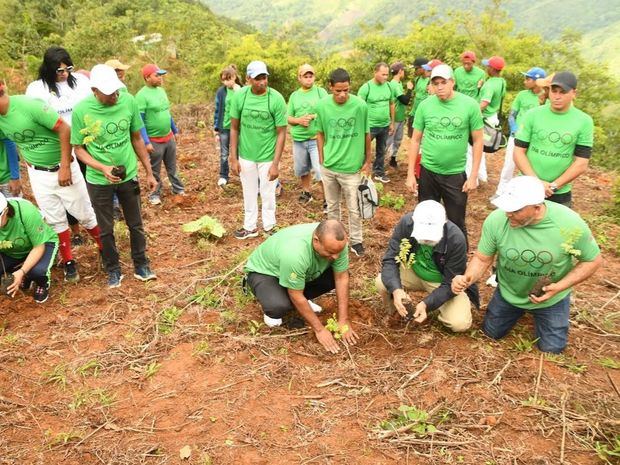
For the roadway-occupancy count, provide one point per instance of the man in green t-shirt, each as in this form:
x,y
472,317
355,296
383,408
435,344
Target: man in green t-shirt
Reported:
x,y
159,132
555,141
257,136
523,102
543,249
443,124
468,78
301,118
105,133
316,262
10,183
380,97
400,112
343,140
27,247
424,253
421,83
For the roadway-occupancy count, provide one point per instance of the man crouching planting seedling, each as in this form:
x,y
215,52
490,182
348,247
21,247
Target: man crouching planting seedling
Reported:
x,y
424,253
297,264
105,133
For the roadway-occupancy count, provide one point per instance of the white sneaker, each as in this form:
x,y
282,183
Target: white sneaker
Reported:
x,y
221,182
316,308
272,322
154,200
492,281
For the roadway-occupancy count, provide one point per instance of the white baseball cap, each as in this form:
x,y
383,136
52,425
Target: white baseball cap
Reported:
x,y
520,192
429,217
443,71
104,78
3,202
256,68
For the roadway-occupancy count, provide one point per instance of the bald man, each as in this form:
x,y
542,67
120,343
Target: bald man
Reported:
x,y
299,263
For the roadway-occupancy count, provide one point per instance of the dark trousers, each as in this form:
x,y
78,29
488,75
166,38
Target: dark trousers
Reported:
x,y
447,188
274,298
70,218
224,151
166,153
381,134
128,194
565,199
40,272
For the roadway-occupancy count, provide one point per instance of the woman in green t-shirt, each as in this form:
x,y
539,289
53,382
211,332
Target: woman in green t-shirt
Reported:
x,y
27,248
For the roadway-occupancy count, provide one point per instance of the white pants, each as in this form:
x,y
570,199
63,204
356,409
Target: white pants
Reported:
x,y
55,201
254,177
508,169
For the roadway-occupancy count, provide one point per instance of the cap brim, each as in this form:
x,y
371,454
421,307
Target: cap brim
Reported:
x,y
427,232
253,75
161,72
426,67
566,88
108,88
507,203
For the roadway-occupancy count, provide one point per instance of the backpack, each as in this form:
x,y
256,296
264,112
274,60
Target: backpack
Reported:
x,y
367,198
493,137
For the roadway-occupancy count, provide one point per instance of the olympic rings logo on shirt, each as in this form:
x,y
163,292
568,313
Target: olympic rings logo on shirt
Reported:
x,y
112,128
257,114
528,257
445,122
26,136
342,123
557,139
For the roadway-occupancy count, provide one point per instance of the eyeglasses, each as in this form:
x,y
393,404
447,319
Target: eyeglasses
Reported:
x,y
68,69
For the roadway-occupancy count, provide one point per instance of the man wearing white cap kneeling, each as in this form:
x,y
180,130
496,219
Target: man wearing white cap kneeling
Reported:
x,y
543,249
424,253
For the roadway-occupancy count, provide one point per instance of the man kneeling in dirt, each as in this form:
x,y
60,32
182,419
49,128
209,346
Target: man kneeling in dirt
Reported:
x,y
543,249
299,263
424,253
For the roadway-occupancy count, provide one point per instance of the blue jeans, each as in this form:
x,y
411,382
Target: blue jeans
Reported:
x,y
550,323
224,150
306,158
381,134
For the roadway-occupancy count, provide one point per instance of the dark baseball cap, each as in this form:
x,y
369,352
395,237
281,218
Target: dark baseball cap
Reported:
x,y
419,62
396,67
566,80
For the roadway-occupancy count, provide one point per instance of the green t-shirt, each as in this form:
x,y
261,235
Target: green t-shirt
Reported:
x,y
227,100
493,90
400,112
29,123
344,128
153,102
552,138
5,173
303,102
446,126
467,82
527,253
289,256
259,116
424,266
25,230
378,97
420,92
524,102
112,144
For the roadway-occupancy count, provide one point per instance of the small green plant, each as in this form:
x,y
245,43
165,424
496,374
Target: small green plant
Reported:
x,y
524,345
333,327
229,317
91,130
207,297
4,245
567,363
571,236
63,437
254,327
202,349
396,202
57,375
405,256
608,362
534,402
608,451
168,319
406,415
206,227
90,368
151,369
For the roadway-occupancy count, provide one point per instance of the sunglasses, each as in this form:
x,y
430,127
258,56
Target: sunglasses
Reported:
x,y
68,69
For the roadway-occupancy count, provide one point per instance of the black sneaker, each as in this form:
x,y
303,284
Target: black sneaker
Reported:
x,y
358,249
77,240
26,284
144,273
393,162
41,293
71,272
245,234
382,178
305,197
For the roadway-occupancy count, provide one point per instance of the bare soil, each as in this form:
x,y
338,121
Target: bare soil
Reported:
x,y
133,375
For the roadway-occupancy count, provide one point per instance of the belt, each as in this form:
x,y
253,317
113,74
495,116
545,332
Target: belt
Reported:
x,y
49,169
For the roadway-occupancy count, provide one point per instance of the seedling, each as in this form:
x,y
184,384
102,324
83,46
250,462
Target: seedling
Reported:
x,y
90,368
229,317
254,327
201,349
333,326
396,202
207,297
405,256
92,130
524,345
151,369
205,227
57,375
608,362
168,319
416,419
608,451
534,402
571,236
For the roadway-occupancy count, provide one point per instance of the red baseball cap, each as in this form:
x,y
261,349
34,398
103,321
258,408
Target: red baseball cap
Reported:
x,y
151,68
469,55
495,62
431,64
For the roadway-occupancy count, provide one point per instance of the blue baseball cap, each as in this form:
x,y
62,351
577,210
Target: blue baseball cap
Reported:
x,y
535,73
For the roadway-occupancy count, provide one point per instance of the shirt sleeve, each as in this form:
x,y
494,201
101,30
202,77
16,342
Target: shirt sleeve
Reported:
x,y
365,116
475,121
291,105
486,93
77,124
34,225
280,114
235,110
43,114
418,121
136,119
342,262
586,134
363,92
293,272
524,133
141,102
318,121
516,103
488,240
586,244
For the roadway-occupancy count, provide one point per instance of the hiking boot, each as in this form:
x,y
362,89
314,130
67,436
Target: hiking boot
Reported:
x,y
155,200
305,197
358,249
393,163
382,178
144,273
77,240
71,272
245,234
114,279
41,293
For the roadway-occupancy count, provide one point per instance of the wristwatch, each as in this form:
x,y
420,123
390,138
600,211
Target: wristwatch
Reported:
x,y
553,186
